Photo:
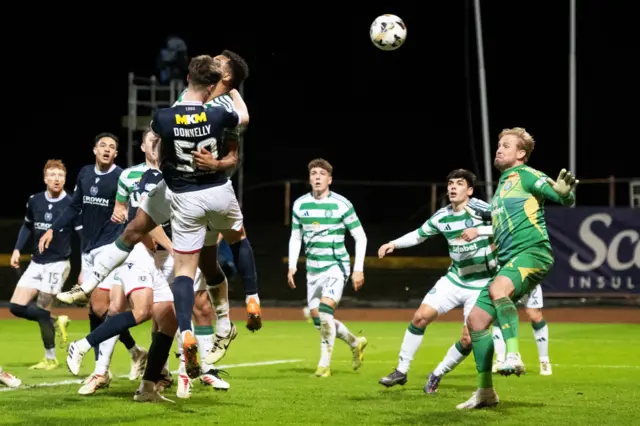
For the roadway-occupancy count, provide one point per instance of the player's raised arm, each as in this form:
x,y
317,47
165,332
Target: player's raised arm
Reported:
x,y
156,131
23,235
72,211
240,109
295,243
560,191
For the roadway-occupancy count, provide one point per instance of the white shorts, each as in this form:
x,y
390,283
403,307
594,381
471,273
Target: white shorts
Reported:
x,y
164,262
139,271
445,295
533,299
192,212
87,266
45,277
326,285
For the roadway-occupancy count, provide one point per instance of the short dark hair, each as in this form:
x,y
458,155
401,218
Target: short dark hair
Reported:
x,y
239,68
106,135
202,71
463,174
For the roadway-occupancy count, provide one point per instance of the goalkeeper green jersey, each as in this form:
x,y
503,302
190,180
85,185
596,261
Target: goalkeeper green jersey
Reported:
x,y
517,211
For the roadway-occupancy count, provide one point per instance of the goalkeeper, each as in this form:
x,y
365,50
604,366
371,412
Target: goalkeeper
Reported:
x,y
524,255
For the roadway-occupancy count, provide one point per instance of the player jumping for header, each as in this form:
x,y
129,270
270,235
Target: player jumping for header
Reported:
x,y
524,255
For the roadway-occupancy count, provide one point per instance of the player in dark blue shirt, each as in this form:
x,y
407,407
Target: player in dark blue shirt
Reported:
x,y
208,294
95,196
198,197
189,134
47,272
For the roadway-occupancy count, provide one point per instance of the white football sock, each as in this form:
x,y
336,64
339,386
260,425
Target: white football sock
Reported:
x,y
134,350
254,296
410,344
343,333
542,341
182,369
106,351
219,295
50,353
83,345
327,338
205,344
451,360
106,261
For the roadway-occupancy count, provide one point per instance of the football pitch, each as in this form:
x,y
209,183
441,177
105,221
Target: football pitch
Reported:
x,y
596,376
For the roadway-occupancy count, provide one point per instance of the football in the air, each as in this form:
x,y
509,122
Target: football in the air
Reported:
x,y
388,32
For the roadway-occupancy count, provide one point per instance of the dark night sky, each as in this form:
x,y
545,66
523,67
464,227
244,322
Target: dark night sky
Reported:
x,y
318,87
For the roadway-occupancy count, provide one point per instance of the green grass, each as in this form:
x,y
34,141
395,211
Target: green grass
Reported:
x,y
596,381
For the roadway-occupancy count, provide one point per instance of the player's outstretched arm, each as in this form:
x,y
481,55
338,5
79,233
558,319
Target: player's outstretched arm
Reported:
x,y
410,239
561,190
428,229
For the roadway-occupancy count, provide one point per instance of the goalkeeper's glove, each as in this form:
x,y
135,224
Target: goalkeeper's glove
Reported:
x,y
483,215
565,184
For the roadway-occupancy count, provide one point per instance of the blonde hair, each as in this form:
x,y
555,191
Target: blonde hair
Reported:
x,y
525,142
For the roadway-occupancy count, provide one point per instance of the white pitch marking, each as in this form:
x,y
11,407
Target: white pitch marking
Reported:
x,y
79,381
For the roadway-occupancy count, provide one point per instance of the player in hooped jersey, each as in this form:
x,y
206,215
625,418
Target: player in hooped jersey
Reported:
x,y
472,266
320,220
94,196
48,271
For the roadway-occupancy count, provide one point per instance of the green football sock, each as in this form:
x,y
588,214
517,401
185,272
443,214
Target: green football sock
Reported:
x,y
508,320
482,345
